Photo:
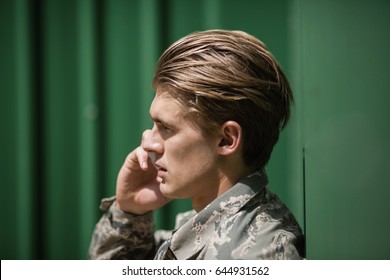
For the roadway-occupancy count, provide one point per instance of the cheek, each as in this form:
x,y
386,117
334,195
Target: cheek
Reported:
x,y
191,168
193,160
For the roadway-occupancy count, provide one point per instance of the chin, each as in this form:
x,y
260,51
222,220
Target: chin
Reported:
x,y
164,189
168,192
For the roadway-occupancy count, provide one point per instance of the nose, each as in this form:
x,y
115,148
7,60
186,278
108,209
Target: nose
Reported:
x,y
151,142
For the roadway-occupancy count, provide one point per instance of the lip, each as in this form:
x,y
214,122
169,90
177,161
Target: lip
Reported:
x,y
161,172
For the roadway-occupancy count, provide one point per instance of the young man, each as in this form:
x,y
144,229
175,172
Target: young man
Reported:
x,y
221,101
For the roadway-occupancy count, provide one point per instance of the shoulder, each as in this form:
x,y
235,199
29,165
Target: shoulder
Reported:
x,y
272,233
265,229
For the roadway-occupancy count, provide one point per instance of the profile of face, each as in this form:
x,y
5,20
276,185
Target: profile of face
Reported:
x,y
186,158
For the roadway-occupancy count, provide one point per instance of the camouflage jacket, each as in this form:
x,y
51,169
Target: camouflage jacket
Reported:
x,y
246,222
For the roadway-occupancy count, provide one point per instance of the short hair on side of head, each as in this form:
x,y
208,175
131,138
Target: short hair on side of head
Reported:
x,y
222,75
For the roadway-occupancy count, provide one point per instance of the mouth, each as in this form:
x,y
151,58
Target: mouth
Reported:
x,y
161,172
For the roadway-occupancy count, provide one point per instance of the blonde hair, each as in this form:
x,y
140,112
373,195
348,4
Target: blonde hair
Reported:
x,y
221,75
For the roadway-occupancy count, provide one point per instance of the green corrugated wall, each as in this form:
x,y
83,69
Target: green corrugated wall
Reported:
x,y
75,89
346,127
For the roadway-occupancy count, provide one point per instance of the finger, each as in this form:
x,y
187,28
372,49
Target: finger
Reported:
x,y
142,158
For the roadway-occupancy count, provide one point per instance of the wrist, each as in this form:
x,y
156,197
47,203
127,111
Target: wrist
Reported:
x,y
124,207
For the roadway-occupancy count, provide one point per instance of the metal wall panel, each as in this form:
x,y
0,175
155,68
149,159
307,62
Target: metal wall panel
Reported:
x,y
17,154
345,62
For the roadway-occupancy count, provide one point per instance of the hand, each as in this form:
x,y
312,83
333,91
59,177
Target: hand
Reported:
x,y
137,188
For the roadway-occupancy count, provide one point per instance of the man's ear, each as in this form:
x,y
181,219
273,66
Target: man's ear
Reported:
x,y
230,138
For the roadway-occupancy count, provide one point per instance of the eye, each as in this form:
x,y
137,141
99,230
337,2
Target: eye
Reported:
x,y
162,127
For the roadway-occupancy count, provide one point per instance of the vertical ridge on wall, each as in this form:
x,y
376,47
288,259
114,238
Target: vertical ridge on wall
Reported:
x,y
8,148
121,85
24,134
61,121
89,111
38,146
211,10
100,87
148,46
295,151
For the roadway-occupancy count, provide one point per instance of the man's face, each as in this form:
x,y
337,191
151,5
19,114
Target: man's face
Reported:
x,y
186,159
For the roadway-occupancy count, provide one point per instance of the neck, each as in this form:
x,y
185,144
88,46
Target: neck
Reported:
x,y
226,180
